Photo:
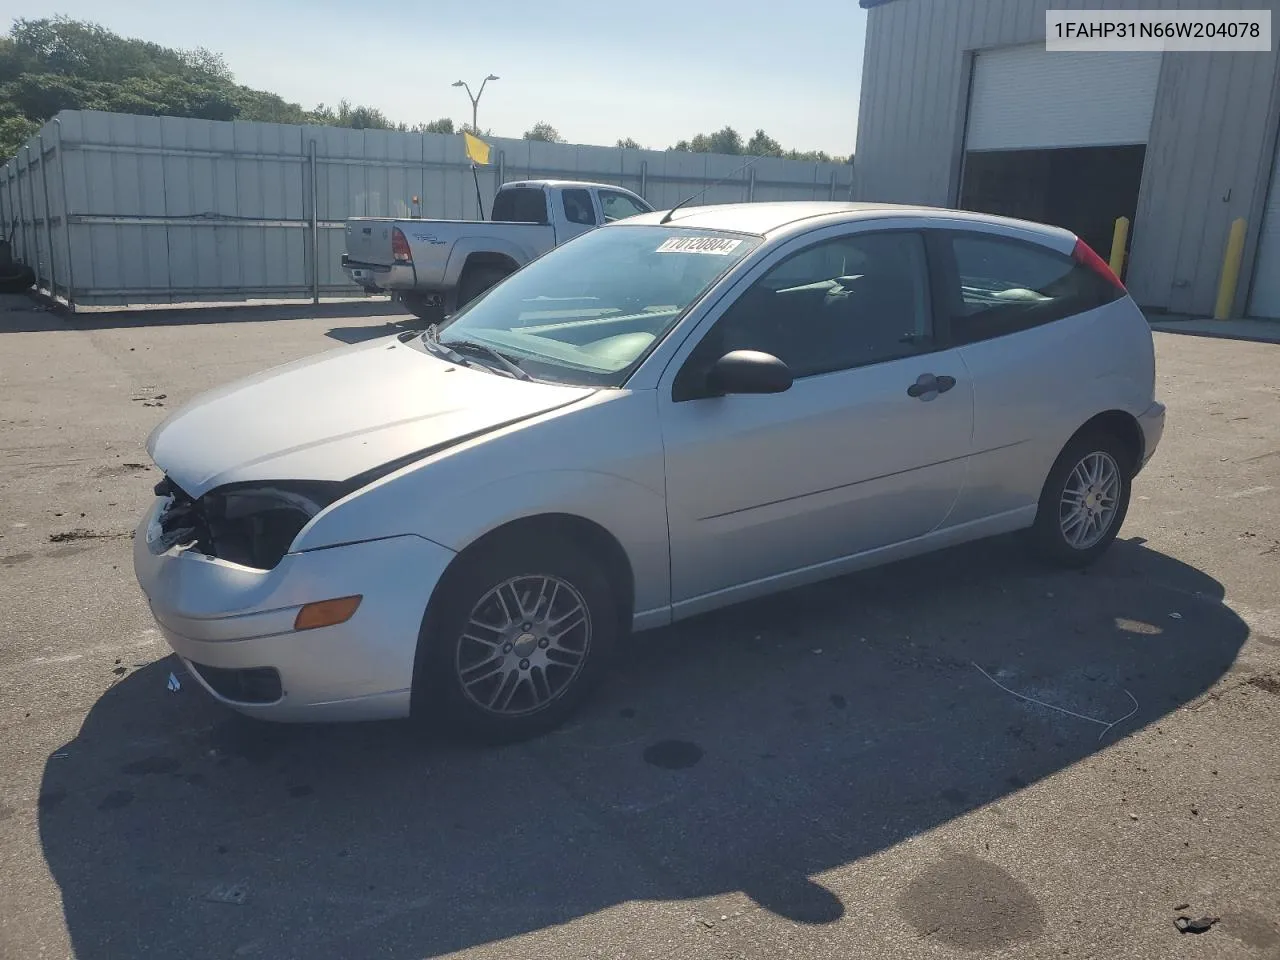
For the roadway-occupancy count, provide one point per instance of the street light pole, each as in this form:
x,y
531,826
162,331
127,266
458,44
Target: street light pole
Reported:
x,y
475,100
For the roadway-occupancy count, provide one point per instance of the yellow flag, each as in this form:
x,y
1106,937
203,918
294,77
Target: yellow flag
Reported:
x,y
477,149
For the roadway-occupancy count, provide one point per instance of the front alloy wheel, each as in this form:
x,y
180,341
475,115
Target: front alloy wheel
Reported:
x,y
516,636
523,645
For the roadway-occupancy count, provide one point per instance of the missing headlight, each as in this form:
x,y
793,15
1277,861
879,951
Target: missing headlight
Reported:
x,y
252,524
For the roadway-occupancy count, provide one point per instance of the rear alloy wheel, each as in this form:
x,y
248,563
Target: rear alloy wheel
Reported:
x,y
521,637
1084,501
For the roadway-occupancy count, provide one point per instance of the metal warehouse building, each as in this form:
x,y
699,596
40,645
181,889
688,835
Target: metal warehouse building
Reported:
x,y
963,107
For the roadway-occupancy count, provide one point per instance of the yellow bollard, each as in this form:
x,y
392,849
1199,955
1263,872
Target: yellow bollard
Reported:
x,y
1118,241
1230,271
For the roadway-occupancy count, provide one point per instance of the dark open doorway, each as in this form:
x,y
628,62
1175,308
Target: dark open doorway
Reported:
x,y
1083,189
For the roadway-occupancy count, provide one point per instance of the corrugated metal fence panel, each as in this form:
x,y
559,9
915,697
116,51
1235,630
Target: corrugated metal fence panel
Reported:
x,y
15,219
115,170
42,189
54,237
26,215
163,209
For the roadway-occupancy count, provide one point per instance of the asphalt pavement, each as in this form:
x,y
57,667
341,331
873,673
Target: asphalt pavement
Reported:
x,y
961,755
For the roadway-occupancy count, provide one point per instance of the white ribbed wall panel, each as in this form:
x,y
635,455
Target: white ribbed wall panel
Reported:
x,y
1265,300
1026,99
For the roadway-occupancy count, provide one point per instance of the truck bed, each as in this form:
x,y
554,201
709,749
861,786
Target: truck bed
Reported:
x,y
368,239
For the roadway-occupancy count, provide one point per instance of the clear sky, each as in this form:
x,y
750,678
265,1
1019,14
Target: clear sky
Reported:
x,y
597,70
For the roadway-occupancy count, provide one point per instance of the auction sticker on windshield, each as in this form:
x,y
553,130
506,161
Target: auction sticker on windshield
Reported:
x,y
718,246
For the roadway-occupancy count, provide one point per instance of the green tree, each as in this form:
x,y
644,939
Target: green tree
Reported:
x,y
38,96
727,140
629,144
443,125
544,132
813,156
14,132
56,63
74,48
362,118
763,145
207,62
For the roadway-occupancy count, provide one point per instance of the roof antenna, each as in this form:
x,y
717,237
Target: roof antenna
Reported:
x,y
667,216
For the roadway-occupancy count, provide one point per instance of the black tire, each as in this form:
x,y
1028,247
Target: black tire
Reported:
x,y
1047,535
476,280
427,312
444,654
16,278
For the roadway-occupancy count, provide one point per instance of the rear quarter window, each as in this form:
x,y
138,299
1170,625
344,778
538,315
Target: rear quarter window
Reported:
x,y
999,285
520,205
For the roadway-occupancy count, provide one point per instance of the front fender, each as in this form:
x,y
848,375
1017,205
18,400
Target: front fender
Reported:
x,y
458,516
600,459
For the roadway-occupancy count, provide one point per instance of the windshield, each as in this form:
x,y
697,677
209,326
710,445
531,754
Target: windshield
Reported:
x,y
590,310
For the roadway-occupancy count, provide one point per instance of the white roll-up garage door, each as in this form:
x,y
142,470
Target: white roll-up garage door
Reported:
x,y
1265,301
1024,98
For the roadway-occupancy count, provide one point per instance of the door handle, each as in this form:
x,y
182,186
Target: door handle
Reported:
x,y
928,386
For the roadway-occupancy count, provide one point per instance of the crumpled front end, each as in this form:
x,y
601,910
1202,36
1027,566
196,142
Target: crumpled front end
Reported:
x,y
241,627
251,524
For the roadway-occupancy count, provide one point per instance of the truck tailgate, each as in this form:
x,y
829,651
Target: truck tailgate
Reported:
x,y
369,240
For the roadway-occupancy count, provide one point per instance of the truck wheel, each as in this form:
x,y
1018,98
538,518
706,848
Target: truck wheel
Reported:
x,y
476,280
420,308
16,277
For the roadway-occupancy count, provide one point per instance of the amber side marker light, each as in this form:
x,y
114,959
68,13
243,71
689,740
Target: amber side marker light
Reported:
x,y
326,613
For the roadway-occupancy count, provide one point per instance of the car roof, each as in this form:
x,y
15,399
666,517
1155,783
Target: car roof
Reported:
x,y
789,216
539,184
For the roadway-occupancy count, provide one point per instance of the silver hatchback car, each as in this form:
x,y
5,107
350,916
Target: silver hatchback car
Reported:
x,y
664,416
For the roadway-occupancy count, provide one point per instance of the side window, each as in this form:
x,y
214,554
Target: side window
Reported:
x,y
1008,285
577,207
519,205
618,206
843,303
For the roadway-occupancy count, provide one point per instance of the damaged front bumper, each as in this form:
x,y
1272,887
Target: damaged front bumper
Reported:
x,y
233,625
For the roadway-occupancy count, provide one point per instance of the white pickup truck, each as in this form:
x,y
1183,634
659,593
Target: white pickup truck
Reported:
x,y
436,266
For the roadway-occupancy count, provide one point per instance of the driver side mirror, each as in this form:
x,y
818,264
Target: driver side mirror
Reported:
x,y
748,371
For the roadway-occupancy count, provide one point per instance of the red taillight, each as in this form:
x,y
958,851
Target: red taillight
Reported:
x,y
1083,254
400,247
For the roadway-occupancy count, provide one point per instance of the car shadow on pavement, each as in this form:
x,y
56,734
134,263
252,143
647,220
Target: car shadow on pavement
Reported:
x,y
396,324
748,750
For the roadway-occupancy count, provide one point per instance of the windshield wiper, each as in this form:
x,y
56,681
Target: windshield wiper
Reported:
x,y
487,351
435,346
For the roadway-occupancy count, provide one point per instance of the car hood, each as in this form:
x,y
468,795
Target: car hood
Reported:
x,y
341,414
